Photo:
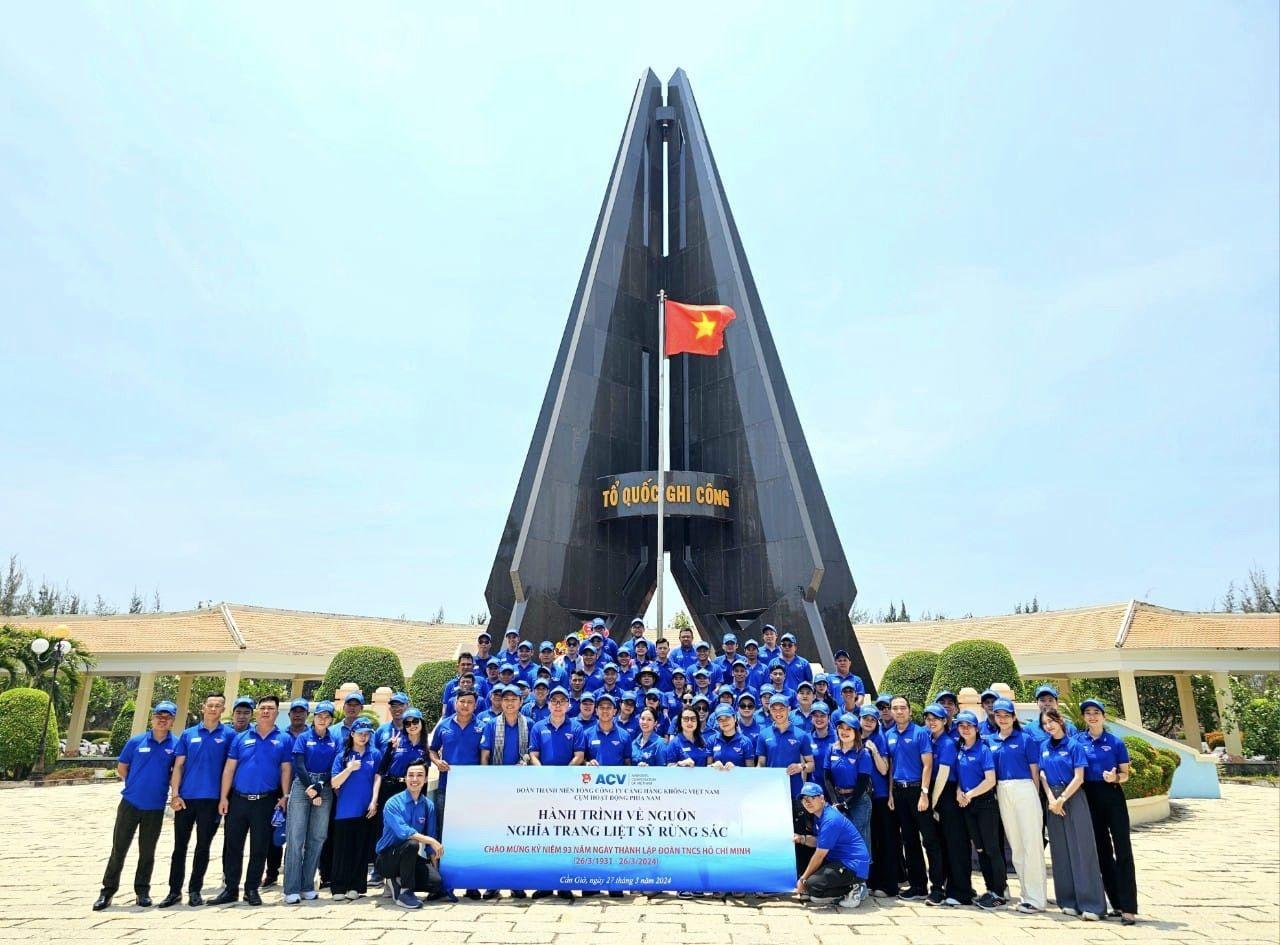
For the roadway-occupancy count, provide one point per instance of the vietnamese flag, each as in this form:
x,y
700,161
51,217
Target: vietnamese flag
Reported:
x,y
696,329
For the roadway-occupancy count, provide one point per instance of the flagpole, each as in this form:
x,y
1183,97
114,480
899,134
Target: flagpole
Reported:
x,y
662,459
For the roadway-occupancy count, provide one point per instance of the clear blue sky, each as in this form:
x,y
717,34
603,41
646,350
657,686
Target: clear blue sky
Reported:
x,y
282,285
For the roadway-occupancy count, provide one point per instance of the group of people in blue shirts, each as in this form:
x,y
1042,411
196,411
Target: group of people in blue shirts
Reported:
x,y
879,801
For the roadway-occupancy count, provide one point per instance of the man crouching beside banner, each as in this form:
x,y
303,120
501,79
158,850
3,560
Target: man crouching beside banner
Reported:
x,y
840,860
407,855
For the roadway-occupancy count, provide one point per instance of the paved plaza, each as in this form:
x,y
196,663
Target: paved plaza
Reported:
x,y
1209,874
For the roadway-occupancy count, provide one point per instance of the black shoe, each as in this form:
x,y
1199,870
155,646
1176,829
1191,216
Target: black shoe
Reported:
x,y
143,900
224,897
542,894
490,895
195,899
564,894
252,898
170,900
588,893
270,880
935,898
913,895
473,894
987,900
616,894
103,900
519,894
1124,921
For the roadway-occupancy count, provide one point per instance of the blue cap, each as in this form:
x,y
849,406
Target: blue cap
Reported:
x,y
1003,705
484,635
398,697
299,703
769,688
356,696
811,790
840,653
637,620
779,700
468,675
803,683
738,661
885,698
573,639
966,717
787,637
646,669
362,725
848,684
492,665
744,697
542,671
598,622
596,635
989,692
587,697
510,690
701,698
507,668
702,645
628,696
325,706
412,714
723,712
511,632
606,697
678,671
850,719
543,682
656,693
868,712
586,648
525,645
245,701
944,694
610,666
166,706
730,638
702,671
1046,689
754,643
1096,703
546,645
770,626
558,691
776,663
937,711
724,690
820,706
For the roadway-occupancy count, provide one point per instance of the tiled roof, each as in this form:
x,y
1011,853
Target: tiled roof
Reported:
x,y
263,630
1085,628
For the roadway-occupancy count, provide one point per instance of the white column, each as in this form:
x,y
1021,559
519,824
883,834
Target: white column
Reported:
x,y
231,688
1187,706
1231,735
79,710
295,688
1129,697
142,702
184,700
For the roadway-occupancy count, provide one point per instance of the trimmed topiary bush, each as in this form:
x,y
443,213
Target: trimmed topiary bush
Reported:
x,y
367,666
22,714
976,663
1150,769
910,674
426,688
121,731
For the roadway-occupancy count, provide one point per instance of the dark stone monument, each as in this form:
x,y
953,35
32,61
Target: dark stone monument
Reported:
x,y
750,535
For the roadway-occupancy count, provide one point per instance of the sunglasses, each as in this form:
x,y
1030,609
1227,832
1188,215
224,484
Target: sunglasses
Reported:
x,y
413,721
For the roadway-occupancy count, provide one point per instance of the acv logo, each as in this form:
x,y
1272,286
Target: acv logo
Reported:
x,y
611,779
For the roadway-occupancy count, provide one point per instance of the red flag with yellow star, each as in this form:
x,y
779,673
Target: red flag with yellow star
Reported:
x,y
696,329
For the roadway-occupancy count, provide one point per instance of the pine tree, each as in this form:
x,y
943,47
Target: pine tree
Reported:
x,y
893,614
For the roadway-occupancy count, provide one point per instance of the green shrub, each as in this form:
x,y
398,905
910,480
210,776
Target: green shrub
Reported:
x,y
1168,758
1151,769
369,667
426,688
123,729
22,715
96,734
1259,721
910,674
976,663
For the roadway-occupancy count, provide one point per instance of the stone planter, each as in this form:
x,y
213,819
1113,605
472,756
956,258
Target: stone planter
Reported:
x,y
1148,810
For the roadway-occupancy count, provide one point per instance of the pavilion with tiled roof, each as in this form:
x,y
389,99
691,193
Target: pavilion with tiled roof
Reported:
x,y
1123,640
235,640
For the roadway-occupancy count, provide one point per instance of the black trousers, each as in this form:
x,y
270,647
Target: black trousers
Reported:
x,y
388,788
128,821
802,824
251,819
832,879
955,845
982,824
886,847
1115,850
402,861
919,839
350,863
274,855
202,817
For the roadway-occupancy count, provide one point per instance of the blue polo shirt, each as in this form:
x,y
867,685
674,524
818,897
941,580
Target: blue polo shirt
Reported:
x,y
821,749
396,760
844,845
402,817
205,751
606,748
680,748
555,746
258,760
907,750
867,764
317,755
357,790
798,671
1014,755
146,784
843,767
1059,759
534,712
972,764
457,744
735,750
750,729
683,657
510,743
1102,754
652,753
944,753
782,749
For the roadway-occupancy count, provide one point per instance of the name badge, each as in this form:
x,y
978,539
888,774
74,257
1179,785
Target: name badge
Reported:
x,y
196,741
143,750
250,741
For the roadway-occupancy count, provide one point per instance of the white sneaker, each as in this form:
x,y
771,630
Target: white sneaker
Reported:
x,y
292,899
1090,916
855,898
310,894
823,900
352,894
1067,910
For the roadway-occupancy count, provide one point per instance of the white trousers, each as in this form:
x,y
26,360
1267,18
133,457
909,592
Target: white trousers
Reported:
x,y
1023,825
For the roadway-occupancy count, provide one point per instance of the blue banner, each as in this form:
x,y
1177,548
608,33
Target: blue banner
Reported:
x,y
640,829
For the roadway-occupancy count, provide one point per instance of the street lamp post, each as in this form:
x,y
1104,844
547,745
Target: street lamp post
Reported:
x,y
53,654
